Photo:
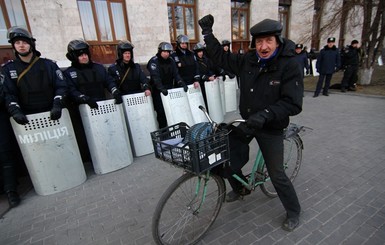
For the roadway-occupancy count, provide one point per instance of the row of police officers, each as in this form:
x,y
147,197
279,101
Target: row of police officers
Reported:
x,y
31,84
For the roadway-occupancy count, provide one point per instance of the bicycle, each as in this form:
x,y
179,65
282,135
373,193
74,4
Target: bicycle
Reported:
x,y
190,205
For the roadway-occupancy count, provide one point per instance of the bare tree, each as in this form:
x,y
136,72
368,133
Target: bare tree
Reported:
x,y
368,14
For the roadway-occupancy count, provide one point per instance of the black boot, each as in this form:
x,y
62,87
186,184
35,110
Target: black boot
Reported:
x,y
13,198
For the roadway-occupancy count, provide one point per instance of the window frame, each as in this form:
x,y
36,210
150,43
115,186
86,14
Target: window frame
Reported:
x,y
110,16
8,22
244,10
184,6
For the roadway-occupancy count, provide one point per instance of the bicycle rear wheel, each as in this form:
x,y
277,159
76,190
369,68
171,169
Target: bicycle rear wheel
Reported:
x,y
187,210
292,159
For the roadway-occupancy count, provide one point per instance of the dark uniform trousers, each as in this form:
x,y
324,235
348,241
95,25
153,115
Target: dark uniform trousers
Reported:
x,y
322,77
350,76
239,156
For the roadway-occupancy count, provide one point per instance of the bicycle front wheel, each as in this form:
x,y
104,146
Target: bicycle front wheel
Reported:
x,y
292,159
187,209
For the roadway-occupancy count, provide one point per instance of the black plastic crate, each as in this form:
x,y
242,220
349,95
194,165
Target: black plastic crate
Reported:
x,y
196,157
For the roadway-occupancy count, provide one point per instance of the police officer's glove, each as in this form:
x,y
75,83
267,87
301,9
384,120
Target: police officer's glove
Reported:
x,y
183,84
259,119
17,114
164,92
117,97
206,23
55,113
231,75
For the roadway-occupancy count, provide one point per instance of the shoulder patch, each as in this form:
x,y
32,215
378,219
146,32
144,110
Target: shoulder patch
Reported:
x,y
59,74
153,66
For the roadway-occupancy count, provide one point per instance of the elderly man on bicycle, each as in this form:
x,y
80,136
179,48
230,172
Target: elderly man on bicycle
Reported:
x,y
271,90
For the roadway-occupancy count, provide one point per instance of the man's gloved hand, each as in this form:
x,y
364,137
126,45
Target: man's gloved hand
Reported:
x,y
55,113
259,119
164,92
183,84
117,97
17,114
206,23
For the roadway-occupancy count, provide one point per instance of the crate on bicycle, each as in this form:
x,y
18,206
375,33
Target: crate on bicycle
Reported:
x,y
195,149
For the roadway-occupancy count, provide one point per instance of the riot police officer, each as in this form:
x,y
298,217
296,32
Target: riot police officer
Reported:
x,y
185,61
226,48
31,84
164,75
87,79
128,75
207,70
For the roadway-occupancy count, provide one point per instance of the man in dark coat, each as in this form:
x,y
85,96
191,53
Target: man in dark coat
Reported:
x,y
301,58
328,62
271,90
350,62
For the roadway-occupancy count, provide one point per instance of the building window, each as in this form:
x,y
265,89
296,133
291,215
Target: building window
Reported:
x,y
240,19
12,13
182,19
103,21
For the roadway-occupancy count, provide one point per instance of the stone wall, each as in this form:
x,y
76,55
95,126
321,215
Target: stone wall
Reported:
x,y
53,24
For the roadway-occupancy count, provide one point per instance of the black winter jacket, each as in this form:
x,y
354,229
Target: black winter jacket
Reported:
x,y
134,82
277,87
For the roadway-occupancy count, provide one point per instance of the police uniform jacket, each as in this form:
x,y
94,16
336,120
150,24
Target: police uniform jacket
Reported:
x,y
134,82
163,72
188,68
276,86
350,56
35,90
206,68
91,79
328,60
302,60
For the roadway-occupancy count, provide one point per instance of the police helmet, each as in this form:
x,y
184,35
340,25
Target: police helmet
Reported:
x,y
165,46
19,33
182,39
266,27
225,43
122,47
76,48
199,47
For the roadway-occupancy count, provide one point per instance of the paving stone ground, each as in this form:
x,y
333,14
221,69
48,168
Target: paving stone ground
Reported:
x,y
340,187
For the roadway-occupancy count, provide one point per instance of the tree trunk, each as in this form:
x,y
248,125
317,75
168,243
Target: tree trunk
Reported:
x,y
365,76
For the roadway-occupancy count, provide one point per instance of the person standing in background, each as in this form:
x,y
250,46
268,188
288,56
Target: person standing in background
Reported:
x,y
328,62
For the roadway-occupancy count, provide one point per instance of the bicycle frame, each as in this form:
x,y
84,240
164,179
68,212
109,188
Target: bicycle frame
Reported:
x,y
256,176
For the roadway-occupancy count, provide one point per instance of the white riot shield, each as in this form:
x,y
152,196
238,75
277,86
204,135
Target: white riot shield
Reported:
x,y
313,66
222,93
176,107
50,152
214,101
107,136
140,117
231,94
195,99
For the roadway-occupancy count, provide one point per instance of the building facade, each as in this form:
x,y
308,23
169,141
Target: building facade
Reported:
x,y
102,23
